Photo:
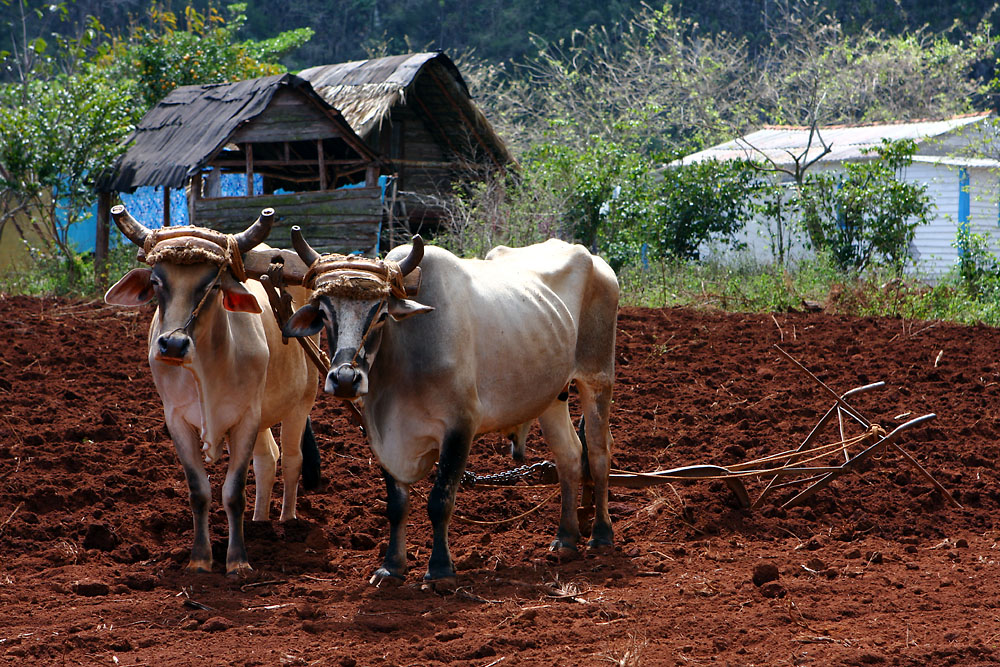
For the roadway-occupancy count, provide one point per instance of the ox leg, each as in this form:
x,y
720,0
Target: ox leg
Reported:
x,y
234,496
292,429
265,458
596,412
187,444
398,511
441,503
557,427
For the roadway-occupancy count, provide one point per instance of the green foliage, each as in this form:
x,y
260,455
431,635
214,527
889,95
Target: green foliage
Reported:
x,y
61,124
71,274
978,269
869,213
741,287
64,119
693,204
160,57
584,179
818,281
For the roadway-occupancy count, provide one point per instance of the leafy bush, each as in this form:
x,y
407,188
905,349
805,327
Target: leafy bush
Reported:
x,y
978,268
158,58
869,213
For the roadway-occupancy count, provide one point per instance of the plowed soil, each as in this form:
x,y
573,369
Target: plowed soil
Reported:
x,y
877,568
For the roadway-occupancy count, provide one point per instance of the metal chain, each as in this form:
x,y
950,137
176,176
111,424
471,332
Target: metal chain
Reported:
x,y
543,472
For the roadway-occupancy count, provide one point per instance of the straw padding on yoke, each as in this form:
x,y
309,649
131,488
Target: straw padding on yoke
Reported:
x,y
354,277
193,245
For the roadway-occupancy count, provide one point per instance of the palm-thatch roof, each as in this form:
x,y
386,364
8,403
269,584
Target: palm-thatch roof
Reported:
x,y
368,91
192,124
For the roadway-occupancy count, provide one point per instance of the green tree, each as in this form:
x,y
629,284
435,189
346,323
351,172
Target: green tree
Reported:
x,y
875,212
201,48
63,120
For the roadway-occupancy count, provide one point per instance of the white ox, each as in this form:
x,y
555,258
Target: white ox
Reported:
x,y
222,371
491,345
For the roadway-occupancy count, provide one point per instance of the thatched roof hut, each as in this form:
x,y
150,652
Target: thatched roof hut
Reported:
x,y
416,111
274,126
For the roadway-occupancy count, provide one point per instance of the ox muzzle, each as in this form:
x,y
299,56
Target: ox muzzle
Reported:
x,y
173,348
348,375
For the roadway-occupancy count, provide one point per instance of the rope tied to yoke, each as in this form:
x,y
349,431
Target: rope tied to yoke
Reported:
x,y
354,277
193,245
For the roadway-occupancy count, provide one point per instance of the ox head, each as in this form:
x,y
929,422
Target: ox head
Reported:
x,y
193,271
352,298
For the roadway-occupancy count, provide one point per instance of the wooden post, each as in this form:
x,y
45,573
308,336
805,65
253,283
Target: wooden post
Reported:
x,y
101,244
322,164
194,194
249,151
166,206
371,177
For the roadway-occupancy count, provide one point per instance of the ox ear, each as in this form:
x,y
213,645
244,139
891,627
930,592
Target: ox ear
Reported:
x,y
237,298
134,289
400,309
307,321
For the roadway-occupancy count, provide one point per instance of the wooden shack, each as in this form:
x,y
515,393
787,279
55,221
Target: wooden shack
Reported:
x,y
416,112
274,126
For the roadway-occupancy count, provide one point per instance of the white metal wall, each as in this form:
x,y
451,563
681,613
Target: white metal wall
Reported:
x,y
932,242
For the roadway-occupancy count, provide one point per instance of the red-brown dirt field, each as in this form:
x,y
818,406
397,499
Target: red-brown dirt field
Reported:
x,y
877,569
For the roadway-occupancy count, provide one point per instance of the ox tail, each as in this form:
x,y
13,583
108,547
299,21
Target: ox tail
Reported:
x,y
581,432
310,458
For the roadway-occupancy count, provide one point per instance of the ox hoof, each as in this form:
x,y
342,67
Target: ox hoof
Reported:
x,y
600,546
238,570
384,578
199,566
440,585
562,551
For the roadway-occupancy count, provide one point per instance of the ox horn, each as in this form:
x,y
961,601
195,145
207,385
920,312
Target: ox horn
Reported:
x,y
257,232
411,261
302,247
133,230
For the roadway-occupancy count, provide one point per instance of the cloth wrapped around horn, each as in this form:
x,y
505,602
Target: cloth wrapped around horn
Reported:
x,y
355,277
193,245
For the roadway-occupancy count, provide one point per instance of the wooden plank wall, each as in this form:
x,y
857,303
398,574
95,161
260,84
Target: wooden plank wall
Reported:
x,y
346,220
289,117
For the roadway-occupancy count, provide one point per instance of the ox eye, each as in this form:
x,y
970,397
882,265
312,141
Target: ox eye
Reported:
x,y
382,316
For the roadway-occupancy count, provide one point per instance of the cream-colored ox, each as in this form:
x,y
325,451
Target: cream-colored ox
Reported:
x,y
222,371
489,346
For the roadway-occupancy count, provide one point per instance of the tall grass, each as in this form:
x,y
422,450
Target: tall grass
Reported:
x,y
52,274
813,284
739,287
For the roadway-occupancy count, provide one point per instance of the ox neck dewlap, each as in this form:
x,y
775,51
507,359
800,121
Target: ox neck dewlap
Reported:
x,y
194,245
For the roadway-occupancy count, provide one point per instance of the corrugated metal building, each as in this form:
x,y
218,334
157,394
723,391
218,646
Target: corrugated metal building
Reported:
x,y
963,190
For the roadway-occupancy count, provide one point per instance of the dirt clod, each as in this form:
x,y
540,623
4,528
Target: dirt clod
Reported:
x,y
764,572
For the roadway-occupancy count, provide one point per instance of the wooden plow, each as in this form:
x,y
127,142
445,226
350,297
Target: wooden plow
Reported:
x,y
800,467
